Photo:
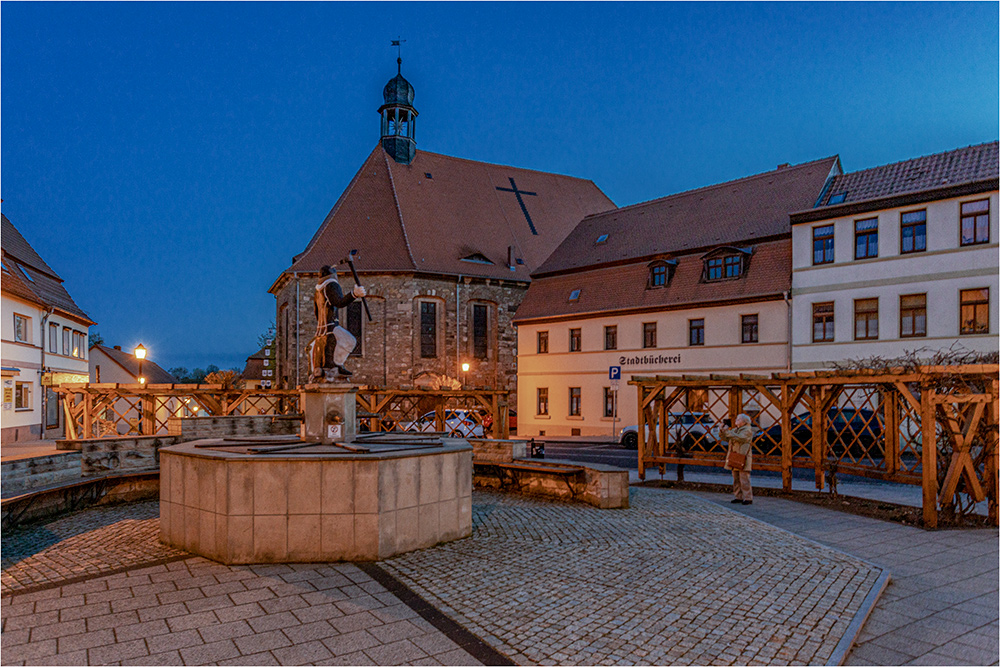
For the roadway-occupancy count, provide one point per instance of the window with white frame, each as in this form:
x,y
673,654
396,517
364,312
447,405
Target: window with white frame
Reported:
x,y
22,328
22,396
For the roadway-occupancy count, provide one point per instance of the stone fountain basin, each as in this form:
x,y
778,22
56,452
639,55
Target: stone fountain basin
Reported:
x,y
316,504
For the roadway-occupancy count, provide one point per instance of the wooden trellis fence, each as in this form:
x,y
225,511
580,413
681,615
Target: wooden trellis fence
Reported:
x,y
482,413
111,409
858,423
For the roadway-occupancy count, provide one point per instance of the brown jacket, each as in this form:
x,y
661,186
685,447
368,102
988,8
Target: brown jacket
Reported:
x,y
740,439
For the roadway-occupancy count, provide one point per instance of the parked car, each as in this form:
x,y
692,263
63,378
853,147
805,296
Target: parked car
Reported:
x,y
850,430
460,423
684,428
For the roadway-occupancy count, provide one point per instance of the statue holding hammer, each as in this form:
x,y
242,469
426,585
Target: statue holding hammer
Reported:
x,y
333,343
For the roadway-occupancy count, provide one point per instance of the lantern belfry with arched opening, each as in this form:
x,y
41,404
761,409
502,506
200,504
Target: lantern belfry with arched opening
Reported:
x,y
399,118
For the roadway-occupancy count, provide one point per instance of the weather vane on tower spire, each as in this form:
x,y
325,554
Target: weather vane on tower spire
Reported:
x,y
399,54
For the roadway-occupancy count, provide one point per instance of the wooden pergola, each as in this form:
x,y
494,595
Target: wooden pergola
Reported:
x,y
866,423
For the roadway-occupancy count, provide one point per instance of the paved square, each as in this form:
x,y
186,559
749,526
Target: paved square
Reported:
x,y
673,580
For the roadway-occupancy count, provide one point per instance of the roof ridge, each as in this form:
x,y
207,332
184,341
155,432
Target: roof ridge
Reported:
x,y
333,211
509,166
714,186
399,211
921,157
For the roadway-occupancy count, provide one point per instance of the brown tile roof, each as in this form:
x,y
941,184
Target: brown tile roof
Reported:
x,y
621,288
737,211
26,275
399,219
150,369
963,165
254,369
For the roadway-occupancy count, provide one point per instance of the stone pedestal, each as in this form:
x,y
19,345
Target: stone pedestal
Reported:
x,y
329,413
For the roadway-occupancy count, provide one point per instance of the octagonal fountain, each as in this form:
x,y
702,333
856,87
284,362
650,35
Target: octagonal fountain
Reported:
x,y
328,495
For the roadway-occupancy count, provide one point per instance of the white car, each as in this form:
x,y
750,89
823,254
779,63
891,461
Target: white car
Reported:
x,y
459,423
684,427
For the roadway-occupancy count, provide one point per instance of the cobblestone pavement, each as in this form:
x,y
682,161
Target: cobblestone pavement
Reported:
x,y
943,604
89,542
673,580
197,612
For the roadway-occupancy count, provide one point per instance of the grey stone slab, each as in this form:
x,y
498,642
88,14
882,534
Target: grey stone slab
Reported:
x,y
262,658
275,621
103,655
86,640
222,631
350,643
395,653
174,640
396,631
359,658
300,654
319,612
262,641
141,630
73,658
210,652
239,612
168,658
307,632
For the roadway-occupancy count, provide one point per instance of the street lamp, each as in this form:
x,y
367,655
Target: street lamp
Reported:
x,y
140,354
465,369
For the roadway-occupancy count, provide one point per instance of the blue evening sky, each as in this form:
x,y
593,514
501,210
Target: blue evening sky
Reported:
x,y
168,159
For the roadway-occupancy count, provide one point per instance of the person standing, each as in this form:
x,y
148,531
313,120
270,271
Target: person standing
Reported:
x,y
738,457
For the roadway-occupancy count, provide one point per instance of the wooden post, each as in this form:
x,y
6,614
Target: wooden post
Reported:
x,y
641,449
786,437
70,420
992,454
928,447
817,409
891,431
148,415
88,414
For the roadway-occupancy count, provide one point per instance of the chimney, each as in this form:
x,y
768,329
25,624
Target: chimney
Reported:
x,y
784,165
118,347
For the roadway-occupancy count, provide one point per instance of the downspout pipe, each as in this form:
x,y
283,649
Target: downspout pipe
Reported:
x,y
458,329
298,324
41,372
788,308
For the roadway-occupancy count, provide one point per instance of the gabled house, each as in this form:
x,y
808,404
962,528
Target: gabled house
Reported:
x,y
899,258
697,282
43,342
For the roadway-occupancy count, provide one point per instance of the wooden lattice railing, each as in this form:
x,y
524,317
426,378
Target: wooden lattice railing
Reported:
x,y
112,410
460,413
858,423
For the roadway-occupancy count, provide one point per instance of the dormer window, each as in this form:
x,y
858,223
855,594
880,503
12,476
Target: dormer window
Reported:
x,y
601,239
574,295
726,263
660,273
837,198
477,258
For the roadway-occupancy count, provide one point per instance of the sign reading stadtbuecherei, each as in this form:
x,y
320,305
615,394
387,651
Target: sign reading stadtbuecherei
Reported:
x,y
650,359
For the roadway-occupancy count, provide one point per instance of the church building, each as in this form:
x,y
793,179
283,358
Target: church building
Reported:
x,y
445,247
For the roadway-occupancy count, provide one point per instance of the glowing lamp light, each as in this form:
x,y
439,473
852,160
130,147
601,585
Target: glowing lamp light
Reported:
x,y
140,352
142,380
465,367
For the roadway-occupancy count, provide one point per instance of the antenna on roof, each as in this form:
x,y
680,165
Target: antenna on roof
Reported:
x,y
399,54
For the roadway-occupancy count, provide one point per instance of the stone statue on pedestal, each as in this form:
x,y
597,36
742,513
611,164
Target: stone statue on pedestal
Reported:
x,y
333,343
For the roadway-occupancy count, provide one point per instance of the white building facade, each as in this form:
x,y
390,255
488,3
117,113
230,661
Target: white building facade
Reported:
x,y
43,341
899,259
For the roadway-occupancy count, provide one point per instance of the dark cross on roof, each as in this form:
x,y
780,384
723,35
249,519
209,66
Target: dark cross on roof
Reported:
x,y
524,209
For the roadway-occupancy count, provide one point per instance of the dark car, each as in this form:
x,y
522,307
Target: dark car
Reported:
x,y
849,430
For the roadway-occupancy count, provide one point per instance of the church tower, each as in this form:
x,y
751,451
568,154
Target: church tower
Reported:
x,y
398,118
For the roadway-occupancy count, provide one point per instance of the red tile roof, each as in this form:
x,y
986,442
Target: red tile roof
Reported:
x,y
27,276
740,211
428,215
614,289
963,165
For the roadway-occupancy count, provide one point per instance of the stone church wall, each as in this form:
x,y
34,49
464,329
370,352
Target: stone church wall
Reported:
x,y
390,354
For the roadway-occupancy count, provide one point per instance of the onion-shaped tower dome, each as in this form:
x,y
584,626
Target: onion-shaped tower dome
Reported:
x,y
399,118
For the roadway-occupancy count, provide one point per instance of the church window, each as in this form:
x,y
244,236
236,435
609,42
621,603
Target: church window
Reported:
x,y
352,319
480,329
428,329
